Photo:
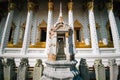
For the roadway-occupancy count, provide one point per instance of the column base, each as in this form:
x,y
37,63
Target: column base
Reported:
x,y
61,70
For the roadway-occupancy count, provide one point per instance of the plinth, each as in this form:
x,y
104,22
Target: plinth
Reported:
x,y
61,70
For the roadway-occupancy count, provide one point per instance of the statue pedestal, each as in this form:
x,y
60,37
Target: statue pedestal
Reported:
x,y
61,70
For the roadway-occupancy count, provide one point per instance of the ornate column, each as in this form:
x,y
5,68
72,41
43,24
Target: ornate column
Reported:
x,y
49,25
113,26
26,39
93,32
71,39
7,27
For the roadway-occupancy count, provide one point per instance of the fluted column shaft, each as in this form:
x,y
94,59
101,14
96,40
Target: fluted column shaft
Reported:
x,y
93,33
7,27
26,39
49,25
113,26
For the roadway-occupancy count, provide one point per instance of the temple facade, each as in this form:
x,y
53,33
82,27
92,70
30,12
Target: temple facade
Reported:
x,y
28,28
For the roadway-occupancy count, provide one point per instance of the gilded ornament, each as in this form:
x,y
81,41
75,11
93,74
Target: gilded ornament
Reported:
x,y
90,5
50,5
70,5
31,6
12,6
109,5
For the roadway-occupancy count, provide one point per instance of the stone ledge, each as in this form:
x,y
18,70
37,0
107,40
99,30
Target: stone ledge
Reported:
x,y
61,63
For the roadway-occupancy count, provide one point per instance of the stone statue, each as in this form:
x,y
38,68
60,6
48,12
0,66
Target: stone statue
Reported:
x,y
84,70
23,69
38,70
24,62
9,69
99,70
113,69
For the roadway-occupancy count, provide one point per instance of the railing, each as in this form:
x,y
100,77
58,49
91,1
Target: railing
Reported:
x,y
92,73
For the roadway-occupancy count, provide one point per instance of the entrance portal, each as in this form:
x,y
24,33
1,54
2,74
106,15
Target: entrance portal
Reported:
x,y
60,47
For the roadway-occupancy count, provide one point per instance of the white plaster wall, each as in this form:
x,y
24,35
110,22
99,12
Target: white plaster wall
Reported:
x,y
102,19
23,20
82,16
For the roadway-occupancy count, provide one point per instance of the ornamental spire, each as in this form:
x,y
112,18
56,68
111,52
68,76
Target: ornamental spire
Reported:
x,y
60,14
60,18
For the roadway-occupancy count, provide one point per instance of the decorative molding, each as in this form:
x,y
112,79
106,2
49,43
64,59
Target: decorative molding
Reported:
x,y
50,6
43,24
70,5
81,45
90,5
31,6
38,45
11,6
109,5
77,24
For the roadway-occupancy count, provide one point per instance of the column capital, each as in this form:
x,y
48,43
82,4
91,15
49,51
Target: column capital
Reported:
x,y
70,5
11,6
31,5
50,5
109,5
90,5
